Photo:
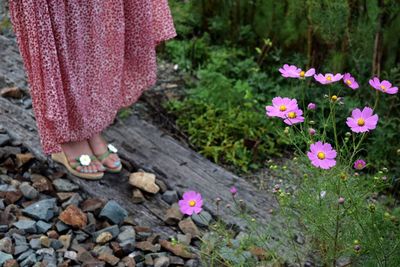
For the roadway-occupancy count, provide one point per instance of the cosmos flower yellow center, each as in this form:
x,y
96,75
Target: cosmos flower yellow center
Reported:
x,y
282,108
292,115
360,122
348,82
383,88
334,98
360,166
192,203
302,73
329,78
321,155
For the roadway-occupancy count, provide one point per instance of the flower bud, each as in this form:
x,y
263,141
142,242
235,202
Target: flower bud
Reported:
x,y
311,122
348,134
311,131
343,176
286,131
372,208
311,106
357,248
341,200
334,98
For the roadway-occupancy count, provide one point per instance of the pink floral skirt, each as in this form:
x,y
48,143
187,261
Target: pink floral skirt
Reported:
x,y
87,59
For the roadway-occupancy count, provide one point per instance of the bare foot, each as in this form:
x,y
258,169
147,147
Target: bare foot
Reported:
x,y
74,150
99,147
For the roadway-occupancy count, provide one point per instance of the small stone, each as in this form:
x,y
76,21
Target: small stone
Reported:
x,y
45,241
25,255
173,215
41,210
174,260
161,185
63,196
73,216
97,250
11,197
147,246
30,260
56,244
299,239
65,240
117,249
53,234
188,226
28,226
35,243
11,263
162,261
109,258
194,263
64,185
6,245
170,196
260,253
92,204
133,258
177,249
148,260
13,92
144,181
4,139
22,159
75,200
104,238
137,196
28,191
84,256
127,233
72,255
43,227
343,261
113,212
45,251
3,228
114,230
184,238
20,249
4,257
41,183
19,239
61,227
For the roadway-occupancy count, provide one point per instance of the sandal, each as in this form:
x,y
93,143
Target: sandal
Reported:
x,y
110,150
83,160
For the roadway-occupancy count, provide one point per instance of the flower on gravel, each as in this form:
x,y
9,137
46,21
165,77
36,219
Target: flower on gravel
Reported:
x,y
190,203
281,106
350,81
311,106
85,160
362,120
233,190
322,155
359,164
384,86
328,78
291,71
294,116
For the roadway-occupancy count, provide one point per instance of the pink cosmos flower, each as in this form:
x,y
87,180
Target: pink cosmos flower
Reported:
x,y
322,155
281,106
350,81
294,116
291,71
311,106
328,78
359,164
362,121
384,86
190,203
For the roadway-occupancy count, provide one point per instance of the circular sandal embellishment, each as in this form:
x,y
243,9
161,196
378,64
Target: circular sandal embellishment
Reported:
x,y
112,148
85,160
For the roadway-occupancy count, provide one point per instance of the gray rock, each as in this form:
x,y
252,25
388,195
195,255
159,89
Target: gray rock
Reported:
x,y
47,251
28,191
28,226
4,257
137,255
113,212
35,243
29,261
2,206
114,230
4,139
72,255
80,236
161,262
64,185
170,196
6,245
25,255
174,260
102,249
56,244
202,219
127,233
41,210
76,199
3,228
43,227
61,227
184,238
20,249
192,263
19,239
